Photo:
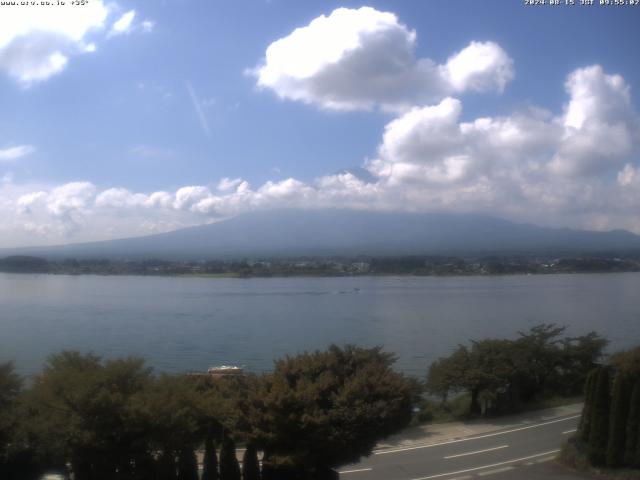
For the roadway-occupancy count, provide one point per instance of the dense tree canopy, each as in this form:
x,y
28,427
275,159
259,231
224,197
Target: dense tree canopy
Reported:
x,y
329,408
115,419
500,374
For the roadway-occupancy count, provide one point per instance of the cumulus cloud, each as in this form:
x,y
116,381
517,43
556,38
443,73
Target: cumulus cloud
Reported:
x,y
11,154
365,58
523,166
530,164
482,66
600,124
37,43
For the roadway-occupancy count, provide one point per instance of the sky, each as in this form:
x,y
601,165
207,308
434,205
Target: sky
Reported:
x,y
129,118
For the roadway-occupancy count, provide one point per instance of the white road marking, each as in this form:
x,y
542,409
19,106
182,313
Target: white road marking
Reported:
x,y
477,451
569,431
355,471
546,459
495,470
394,450
487,466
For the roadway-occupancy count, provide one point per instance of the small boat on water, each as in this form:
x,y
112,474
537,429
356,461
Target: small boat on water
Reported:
x,y
219,371
225,370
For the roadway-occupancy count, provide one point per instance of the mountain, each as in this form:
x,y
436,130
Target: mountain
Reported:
x,y
289,233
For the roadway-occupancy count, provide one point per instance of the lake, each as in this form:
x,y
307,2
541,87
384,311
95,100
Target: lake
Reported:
x,y
181,324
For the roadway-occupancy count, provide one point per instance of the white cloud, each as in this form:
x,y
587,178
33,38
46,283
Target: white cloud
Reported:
x,y
428,160
11,154
364,58
148,26
123,24
481,67
37,43
600,124
227,184
70,199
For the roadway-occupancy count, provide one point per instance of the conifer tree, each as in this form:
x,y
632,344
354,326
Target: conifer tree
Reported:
x,y
585,420
617,421
167,466
210,462
599,429
187,465
267,472
229,467
250,466
633,428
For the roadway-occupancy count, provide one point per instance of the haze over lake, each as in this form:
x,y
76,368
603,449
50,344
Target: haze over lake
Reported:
x,y
182,324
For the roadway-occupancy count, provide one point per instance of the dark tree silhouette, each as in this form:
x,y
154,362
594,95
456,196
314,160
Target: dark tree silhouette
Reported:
x,y
210,461
229,466
599,436
250,465
618,418
187,465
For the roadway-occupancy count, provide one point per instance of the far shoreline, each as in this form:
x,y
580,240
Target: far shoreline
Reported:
x,y
226,276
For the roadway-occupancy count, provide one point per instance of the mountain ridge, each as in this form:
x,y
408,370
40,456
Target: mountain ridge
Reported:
x,y
334,232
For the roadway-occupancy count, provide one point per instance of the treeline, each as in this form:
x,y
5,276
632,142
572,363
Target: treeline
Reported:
x,y
609,430
327,266
502,375
114,419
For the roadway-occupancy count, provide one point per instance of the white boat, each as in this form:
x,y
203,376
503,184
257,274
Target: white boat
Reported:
x,y
225,370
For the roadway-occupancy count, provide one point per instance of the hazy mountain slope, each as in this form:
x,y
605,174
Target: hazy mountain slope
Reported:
x,y
344,232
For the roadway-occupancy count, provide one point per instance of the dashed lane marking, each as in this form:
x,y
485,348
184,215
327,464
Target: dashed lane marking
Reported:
x,y
358,470
566,432
466,470
477,451
495,470
417,447
546,459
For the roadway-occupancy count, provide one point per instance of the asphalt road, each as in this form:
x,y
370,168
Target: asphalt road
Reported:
x,y
498,453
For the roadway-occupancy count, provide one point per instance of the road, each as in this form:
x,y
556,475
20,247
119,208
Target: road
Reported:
x,y
498,452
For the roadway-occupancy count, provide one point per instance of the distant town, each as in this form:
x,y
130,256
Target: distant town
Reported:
x,y
328,266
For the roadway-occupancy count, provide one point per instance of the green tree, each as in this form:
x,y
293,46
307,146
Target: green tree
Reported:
x,y
250,465
618,419
324,409
169,410
229,467
540,357
445,374
501,374
166,466
17,453
633,429
628,362
585,420
79,409
187,465
210,461
598,438
579,357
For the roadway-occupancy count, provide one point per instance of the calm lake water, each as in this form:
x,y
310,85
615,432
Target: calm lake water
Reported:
x,y
181,324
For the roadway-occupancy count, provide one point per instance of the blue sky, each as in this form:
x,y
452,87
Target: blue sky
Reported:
x,y
131,118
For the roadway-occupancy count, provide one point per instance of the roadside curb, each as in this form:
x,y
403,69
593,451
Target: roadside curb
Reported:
x,y
433,434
